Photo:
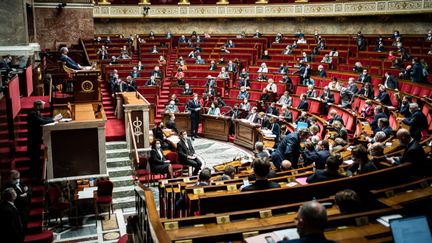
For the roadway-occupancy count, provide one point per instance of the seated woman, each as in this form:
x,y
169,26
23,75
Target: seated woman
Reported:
x,y
334,84
162,61
368,111
261,77
366,91
286,114
213,110
180,77
158,163
187,90
263,68
245,105
244,82
159,135
244,73
124,53
171,107
152,81
243,93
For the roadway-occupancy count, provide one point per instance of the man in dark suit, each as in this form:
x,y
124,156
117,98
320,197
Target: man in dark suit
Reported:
x,y
390,81
364,77
252,116
5,63
289,148
69,62
311,222
186,153
194,107
329,173
413,153
327,96
272,109
379,113
417,121
11,228
384,126
383,97
34,140
261,169
334,116
275,128
23,199
404,106
303,105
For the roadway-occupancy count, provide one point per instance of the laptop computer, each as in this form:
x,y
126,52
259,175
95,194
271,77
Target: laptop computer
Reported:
x,y
413,229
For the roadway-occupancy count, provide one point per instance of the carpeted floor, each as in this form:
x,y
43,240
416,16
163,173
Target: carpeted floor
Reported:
x,y
114,130
27,102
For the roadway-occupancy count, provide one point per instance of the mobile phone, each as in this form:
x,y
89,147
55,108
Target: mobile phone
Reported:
x,y
269,239
246,182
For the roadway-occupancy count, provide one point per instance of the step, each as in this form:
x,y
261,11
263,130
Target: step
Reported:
x,y
44,236
36,213
120,161
115,153
123,191
116,145
37,201
122,181
119,171
34,227
124,202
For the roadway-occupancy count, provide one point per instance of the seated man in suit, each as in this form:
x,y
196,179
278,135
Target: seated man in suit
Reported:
x,y
69,62
413,153
252,116
379,113
311,222
204,177
417,121
383,97
329,173
364,77
261,169
187,154
334,116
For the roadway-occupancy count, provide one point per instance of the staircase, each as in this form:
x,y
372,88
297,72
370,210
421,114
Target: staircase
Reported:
x,y
21,162
119,168
165,89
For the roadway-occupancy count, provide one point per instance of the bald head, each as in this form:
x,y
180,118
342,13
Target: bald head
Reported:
x,y
404,136
312,218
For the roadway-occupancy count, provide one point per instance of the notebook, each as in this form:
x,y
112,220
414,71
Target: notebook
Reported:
x,y
413,229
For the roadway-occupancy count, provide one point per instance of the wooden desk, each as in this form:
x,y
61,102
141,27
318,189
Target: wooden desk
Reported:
x,y
215,127
408,196
246,134
182,121
84,112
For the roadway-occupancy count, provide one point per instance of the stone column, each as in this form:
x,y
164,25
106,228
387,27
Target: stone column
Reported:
x,y
13,19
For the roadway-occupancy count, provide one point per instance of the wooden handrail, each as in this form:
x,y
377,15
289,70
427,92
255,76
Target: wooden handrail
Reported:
x,y
154,230
133,138
85,50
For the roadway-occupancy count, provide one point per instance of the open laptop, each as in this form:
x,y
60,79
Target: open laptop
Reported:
x,y
301,125
413,229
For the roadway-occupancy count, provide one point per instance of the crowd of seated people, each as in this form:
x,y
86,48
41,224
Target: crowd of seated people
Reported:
x,y
274,109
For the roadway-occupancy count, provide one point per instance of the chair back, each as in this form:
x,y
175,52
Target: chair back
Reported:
x,y
105,188
173,157
53,195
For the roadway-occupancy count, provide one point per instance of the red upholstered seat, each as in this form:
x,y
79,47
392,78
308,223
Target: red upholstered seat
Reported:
x,y
104,199
405,87
416,90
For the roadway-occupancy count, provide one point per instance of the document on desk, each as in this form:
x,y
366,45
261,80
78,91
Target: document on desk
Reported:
x,y
275,236
92,189
85,194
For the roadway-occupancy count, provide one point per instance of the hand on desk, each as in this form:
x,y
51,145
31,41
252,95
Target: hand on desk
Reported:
x,y
167,161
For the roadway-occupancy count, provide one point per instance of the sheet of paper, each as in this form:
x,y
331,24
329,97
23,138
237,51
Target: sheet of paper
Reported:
x,y
290,234
302,180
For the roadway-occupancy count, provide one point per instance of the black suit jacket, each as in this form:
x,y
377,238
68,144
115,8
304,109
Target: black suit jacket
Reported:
x,y
417,123
11,228
34,122
384,98
323,175
303,105
374,123
191,106
261,185
365,78
415,154
156,159
183,151
328,96
404,110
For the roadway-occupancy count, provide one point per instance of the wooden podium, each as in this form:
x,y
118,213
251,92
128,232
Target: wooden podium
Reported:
x,y
215,127
182,121
86,86
246,133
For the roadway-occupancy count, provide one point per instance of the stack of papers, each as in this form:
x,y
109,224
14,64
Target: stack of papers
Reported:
x,y
385,220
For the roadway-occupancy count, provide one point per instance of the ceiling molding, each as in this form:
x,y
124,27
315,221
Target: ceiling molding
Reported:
x,y
330,9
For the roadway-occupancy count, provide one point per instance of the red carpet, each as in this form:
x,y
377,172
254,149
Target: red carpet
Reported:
x,y
27,102
114,130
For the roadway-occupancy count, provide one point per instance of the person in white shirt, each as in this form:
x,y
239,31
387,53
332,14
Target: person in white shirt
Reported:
x,y
263,68
271,87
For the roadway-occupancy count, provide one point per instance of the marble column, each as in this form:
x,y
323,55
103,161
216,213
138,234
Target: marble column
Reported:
x,y
13,19
63,24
